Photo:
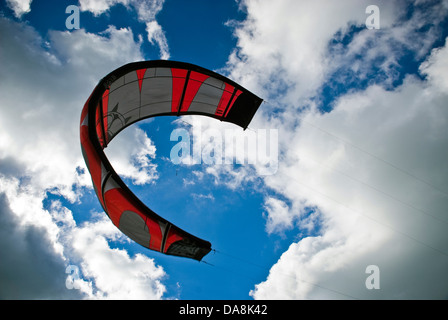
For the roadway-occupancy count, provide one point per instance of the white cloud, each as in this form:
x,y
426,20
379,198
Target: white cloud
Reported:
x,y
436,68
373,167
98,7
43,243
156,34
31,266
115,274
131,154
371,210
146,11
233,156
39,130
199,196
20,7
43,89
279,217
290,39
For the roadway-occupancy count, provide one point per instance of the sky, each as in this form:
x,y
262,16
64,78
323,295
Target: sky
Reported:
x,y
357,98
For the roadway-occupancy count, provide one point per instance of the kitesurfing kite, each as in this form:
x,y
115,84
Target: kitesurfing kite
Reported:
x,y
138,91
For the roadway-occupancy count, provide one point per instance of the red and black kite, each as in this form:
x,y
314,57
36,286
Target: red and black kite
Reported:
x,y
138,91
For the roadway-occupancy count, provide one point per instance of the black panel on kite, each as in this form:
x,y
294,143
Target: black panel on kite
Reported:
x,y
138,91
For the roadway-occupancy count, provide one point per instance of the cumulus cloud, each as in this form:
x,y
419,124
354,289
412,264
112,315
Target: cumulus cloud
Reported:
x,y
278,215
114,274
372,166
436,68
146,11
133,160
43,243
38,127
19,7
156,34
283,39
30,268
371,212
98,7
233,156
43,88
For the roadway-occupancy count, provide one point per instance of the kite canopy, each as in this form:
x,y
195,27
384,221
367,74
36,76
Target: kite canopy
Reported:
x,y
138,91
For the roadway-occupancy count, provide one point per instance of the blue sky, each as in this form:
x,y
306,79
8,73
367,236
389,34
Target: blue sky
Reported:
x,y
362,125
